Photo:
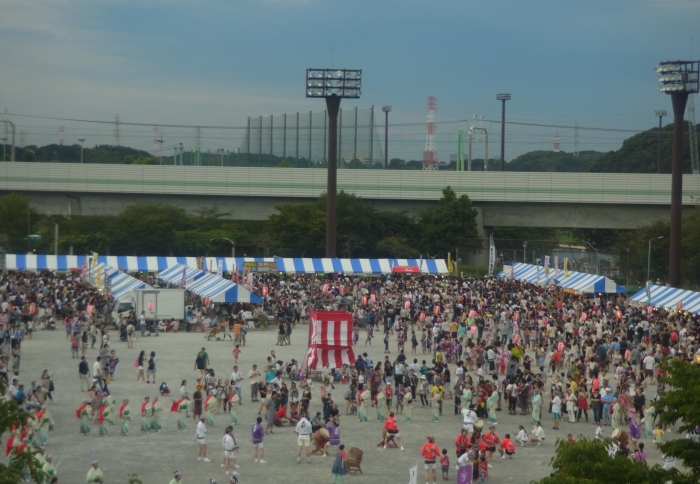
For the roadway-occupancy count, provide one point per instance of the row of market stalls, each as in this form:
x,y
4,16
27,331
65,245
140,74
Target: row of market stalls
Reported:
x,y
579,282
120,284
668,298
229,264
206,284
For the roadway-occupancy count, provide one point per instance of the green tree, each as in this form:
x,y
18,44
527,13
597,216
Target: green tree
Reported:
x,y
450,225
17,218
28,155
12,417
588,462
299,229
147,228
681,410
397,247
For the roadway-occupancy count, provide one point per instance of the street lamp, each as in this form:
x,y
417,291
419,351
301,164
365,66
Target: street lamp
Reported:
x,y
233,244
503,97
161,149
333,85
82,140
679,79
386,110
660,114
649,254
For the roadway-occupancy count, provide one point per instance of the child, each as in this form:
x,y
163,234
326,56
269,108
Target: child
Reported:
x,y
74,346
658,436
445,463
237,352
483,469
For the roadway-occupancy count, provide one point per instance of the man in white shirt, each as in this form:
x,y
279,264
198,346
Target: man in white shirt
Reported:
x,y
556,411
304,431
202,440
468,418
97,371
537,434
236,378
649,363
229,444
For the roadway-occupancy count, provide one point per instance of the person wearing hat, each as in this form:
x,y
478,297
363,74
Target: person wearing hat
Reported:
x,y
430,451
95,474
48,466
177,477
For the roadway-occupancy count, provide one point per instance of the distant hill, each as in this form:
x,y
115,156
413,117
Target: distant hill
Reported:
x,y
639,154
71,153
553,161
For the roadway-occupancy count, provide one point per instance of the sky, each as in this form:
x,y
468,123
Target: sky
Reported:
x,y
215,63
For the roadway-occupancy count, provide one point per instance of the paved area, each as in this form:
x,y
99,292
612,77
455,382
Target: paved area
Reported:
x,y
154,456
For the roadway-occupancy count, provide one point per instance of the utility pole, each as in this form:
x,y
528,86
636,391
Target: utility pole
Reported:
x,y
160,150
221,152
503,97
386,110
82,140
660,114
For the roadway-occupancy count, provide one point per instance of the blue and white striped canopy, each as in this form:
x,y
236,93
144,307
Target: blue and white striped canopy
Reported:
x,y
285,265
173,275
121,284
669,297
221,290
577,281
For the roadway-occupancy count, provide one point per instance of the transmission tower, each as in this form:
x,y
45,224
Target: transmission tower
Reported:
x,y
576,140
430,159
556,142
61,129
117,134
692,134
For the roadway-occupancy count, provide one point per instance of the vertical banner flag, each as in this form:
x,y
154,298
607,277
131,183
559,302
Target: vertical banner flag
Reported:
x,y
413,475
210,266
465,474
556,267
546,265
220,268
93,260
566,267
183,283
492,255
98,277
200,263
85,269
538,269
511,272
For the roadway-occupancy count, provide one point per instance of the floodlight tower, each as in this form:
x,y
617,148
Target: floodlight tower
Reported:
x,y
333,85
679,79
503,97
430,159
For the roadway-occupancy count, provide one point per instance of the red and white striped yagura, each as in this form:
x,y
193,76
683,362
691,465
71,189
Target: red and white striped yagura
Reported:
x,y
330,340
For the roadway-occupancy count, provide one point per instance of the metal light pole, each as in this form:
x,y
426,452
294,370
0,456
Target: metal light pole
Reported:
x,y
233,244
12,125
628,267
524,251
82,140
386,110
503,97
660,114
679,79
649,255
333,85
3,139
160,151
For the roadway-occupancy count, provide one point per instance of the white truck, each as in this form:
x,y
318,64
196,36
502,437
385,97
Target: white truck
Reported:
x,y
158,304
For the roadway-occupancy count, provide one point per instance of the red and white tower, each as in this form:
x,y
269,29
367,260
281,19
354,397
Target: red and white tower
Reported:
x,y
430,159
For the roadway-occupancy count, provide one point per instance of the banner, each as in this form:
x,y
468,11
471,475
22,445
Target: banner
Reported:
x,y
220,268
413,475
93,261
465,474
566,267
98,278
556,267
648,289
200,263
538,270
492,255
546,265
85,269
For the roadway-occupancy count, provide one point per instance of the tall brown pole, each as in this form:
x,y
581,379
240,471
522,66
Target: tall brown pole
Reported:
x,y
503,136
386,139
674,256
333,106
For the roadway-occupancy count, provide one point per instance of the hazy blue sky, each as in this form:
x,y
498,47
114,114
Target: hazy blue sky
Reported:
x,y
212,62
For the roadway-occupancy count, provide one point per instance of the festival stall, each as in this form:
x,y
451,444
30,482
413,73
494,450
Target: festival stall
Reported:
x,y
571,281
220,290
120,284
175,275
669,298
63,263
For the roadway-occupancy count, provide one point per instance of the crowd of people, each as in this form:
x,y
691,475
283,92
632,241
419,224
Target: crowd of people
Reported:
x,y
457,347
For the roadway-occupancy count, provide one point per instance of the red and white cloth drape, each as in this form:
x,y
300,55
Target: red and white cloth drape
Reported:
x,y
330,342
